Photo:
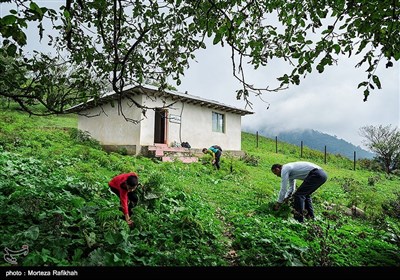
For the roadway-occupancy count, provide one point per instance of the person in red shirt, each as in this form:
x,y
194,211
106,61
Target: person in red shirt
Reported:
x,y
123,186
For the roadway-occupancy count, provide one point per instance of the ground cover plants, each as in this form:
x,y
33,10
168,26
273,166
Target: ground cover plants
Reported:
x,y
55,200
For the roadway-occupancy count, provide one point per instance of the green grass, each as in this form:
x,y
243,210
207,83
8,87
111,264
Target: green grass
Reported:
x,y
55,198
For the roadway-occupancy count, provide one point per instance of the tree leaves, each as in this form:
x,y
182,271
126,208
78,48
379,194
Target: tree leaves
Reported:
x,y
385,142
153,41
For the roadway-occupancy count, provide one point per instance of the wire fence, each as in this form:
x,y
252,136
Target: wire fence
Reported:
x,y
287,148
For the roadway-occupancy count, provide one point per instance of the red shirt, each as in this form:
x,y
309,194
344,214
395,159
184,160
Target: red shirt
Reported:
x,y
123,194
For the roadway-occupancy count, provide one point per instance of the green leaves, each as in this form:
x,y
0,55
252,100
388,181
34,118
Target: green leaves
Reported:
x,y
138,41
32,233
376,81
8,20
36,12
11,50
58,202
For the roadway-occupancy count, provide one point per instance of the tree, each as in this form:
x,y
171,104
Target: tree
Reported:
x,y
135,42
42,86
385,143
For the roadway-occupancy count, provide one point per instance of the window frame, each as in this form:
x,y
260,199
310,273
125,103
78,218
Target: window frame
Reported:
x,y
218,122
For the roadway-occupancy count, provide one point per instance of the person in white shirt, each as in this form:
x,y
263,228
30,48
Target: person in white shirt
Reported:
x,y
312,175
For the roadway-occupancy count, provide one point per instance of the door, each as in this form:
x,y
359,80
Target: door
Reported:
x,y
160,126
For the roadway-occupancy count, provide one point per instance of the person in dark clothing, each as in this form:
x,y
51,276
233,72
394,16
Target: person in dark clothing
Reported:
x,y
313,177
123,186
215,151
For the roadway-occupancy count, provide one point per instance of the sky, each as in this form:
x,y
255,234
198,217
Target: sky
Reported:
x,y
329,102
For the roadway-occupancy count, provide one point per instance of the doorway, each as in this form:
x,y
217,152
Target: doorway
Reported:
x,y
160,126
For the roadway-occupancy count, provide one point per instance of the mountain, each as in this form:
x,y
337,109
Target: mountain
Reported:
x,y
318,140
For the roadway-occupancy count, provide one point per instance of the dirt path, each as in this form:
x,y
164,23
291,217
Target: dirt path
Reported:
x,y
230,255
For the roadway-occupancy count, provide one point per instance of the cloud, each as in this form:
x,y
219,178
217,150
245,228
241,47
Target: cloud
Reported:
x,y
328,102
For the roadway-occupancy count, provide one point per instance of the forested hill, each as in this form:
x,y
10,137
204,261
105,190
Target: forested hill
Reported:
x,y
317,140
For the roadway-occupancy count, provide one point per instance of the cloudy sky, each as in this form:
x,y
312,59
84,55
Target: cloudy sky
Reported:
x,y
327,102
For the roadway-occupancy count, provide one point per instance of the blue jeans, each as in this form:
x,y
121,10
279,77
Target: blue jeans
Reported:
x,y
302,196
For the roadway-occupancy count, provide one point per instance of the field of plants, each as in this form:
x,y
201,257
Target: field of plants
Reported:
x,y
55,200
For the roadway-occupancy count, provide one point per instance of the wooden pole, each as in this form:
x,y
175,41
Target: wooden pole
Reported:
x,y
301,148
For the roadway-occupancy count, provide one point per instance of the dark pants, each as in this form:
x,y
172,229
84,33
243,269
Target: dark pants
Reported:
x,y
302,197
217,159
132,197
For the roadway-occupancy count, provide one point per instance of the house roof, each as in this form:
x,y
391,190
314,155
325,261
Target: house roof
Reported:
x,y
153,91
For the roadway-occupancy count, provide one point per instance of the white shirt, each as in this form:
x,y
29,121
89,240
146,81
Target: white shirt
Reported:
x,y
289,173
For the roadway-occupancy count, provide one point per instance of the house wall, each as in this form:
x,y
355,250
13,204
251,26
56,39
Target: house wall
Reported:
x,y
111,128
197,129
192,124
186,123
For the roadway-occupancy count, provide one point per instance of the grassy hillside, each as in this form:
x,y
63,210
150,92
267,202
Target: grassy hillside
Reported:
x,y
55,199
319,141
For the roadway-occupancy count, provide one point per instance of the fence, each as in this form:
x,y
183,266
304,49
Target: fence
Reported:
x,y
302,148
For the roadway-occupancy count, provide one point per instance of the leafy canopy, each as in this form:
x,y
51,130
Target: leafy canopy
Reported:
x,y
384,141
136,42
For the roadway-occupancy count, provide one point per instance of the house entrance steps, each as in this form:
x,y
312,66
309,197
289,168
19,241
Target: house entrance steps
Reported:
x,y
169,154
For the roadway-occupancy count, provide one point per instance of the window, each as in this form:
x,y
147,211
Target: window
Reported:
x,y
218,122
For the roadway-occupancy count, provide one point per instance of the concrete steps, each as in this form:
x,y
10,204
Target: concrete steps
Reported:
x,y
170,154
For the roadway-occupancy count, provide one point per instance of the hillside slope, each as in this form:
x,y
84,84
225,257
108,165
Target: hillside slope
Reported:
x,y
53,180
319,141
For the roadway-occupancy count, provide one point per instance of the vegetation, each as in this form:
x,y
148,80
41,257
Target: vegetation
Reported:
x,y
317,140
385,142
55,199
136,42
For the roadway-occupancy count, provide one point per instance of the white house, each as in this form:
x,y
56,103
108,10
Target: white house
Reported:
x,y
167,118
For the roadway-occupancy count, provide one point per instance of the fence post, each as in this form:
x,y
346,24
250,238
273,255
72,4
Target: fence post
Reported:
x,y
325,155
354,165
301,148
276,144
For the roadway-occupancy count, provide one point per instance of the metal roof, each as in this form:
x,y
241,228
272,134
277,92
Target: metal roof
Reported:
x,y
153,91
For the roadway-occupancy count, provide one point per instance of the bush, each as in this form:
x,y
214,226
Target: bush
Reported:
x,y
84,137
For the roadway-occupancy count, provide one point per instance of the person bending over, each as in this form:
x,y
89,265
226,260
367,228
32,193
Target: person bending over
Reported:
x,y
312,175
215,151
123,186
